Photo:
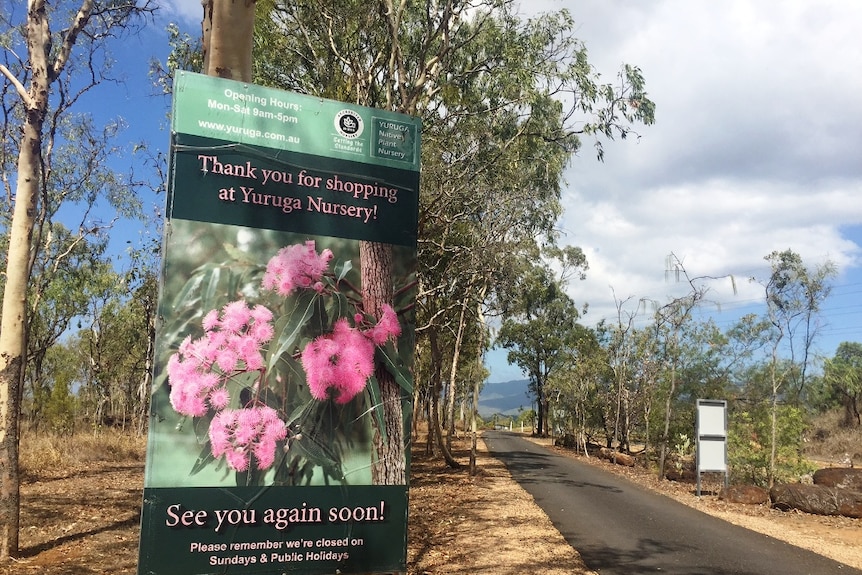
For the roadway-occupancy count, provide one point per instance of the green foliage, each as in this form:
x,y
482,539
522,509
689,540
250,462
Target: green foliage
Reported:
x,y
526,417
60,409
540,332
842,381
70,273
186,54
53,406
794,294
116,345
683,450
748,445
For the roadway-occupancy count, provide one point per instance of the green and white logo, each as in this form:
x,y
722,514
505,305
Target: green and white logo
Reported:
x,y
349,124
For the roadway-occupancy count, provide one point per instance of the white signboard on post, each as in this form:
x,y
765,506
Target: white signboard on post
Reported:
x,y
711,438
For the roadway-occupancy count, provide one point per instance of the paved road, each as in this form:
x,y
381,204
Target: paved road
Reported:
x,y
621,528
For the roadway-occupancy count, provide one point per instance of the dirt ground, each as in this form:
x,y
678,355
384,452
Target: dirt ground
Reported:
x,y
85,521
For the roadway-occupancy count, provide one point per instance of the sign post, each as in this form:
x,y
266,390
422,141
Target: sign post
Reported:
x,y
265,401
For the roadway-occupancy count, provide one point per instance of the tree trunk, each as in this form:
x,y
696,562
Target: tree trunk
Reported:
x,y
436,388
668,408
647,410
389,445
147,379
541,405
773,419
625,436
228,35
851,412
474,414
453,375
13,322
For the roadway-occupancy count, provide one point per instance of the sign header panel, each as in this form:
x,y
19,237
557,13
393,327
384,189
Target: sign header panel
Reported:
x,y
244,113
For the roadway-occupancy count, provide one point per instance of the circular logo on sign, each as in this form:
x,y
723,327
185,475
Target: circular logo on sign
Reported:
x,y
348,123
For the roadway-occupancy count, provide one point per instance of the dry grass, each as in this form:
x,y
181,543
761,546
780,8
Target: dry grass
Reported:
x,y
829,441
48,455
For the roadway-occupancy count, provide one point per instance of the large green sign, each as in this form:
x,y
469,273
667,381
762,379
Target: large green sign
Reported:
x,y
266,394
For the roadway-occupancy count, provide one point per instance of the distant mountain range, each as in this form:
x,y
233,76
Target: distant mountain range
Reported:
x,y
505,398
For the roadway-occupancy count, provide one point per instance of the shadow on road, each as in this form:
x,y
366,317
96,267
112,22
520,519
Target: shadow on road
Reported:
x,y
534,467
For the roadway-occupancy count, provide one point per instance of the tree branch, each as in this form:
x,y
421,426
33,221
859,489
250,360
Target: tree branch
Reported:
x,y
22,91
78,25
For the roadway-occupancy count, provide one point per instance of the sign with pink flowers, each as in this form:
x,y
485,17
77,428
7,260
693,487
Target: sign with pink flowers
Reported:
x,y
279,430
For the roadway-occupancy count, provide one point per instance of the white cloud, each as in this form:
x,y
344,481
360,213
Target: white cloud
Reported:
x,y
188,12
755,149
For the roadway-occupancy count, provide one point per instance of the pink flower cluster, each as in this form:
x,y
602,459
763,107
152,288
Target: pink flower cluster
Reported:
x,y
338,364
296,266
198,372
387,326
237,434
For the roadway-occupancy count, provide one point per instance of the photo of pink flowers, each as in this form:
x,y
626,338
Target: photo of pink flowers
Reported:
x,y
266,358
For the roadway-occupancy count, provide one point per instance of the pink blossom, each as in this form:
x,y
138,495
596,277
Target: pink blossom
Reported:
x,y
219,398
338,364
210,320
237,458
237,434
199,370
387,327
189,396
264,453
296,266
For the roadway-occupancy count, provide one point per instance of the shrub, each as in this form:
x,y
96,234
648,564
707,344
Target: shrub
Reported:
x,y
748,448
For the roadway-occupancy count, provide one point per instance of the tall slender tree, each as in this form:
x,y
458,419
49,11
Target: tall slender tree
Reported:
x,y
793,294
670,321
540,331
41,82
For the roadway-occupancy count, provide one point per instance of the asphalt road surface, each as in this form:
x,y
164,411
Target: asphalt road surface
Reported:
x,y
621,528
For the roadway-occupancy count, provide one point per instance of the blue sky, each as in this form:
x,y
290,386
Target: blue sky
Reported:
x,y
757,147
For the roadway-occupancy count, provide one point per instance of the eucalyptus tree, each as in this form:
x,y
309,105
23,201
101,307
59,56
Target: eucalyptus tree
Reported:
x,y
52,56
116,343
842,376
68,271
647,371
671,320
540,330
63,366
503,102
620,345
576,384
794,294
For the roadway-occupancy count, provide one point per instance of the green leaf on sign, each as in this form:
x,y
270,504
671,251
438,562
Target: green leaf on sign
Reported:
x,y
394,365
373,388
289,331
